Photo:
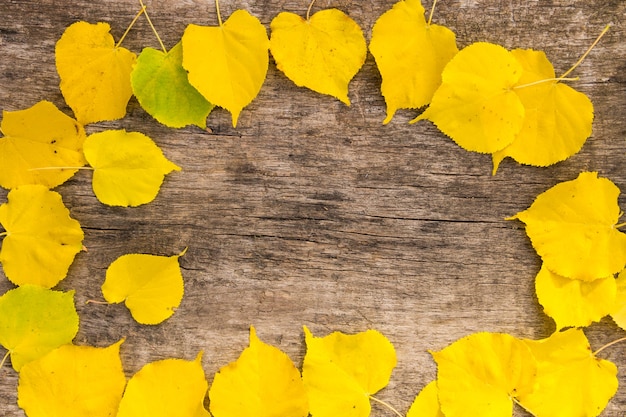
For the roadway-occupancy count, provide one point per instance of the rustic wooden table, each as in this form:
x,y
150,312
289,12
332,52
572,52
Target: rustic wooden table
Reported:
x,y
314,213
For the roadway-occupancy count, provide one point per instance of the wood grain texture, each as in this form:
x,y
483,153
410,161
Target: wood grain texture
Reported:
x,y
313,213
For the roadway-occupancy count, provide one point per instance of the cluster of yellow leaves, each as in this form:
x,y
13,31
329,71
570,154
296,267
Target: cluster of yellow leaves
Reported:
x,y
574,227
509,104
340,374
484,374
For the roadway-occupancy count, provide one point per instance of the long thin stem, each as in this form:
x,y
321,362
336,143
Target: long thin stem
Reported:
x,y
386,404
617,226
308,11
432,11
219,16
96,302
139,13
623,339
51,168
4,234
545,81
5,358
143,6
606,29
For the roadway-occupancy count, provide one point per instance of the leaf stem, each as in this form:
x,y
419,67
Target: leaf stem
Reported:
x,y
219,16
432,11
143,9
50,168
152,26
606,29
617,226
545,81
308,11
623,339
3,234
96,302
386,404
4,359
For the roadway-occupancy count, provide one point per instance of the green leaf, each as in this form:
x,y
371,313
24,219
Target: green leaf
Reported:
x,y
161,86
34,321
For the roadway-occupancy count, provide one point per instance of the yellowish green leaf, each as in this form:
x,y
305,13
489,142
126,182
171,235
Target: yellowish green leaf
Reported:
x,y
572,302
227,64
322,53
557,119
151,286
166,388
618,311
410,54
94,72
73,381
571,380
341,371
426,404
34,321
161,86
41,238
129,167
572,228
37,140
263,382
476,105
481,374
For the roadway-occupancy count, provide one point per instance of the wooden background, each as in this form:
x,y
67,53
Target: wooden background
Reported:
x,y
314,213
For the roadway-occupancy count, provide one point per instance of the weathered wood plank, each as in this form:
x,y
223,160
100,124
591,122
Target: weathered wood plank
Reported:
x,y
313,213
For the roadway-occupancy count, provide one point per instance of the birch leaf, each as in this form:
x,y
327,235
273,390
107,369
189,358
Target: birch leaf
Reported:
x,y
39,137
151,286
227,64
94,72
129,167
34,321
411,55
476,105
263,382
557,118
322,53
166,388
341,371
41,238
480,374
571,380
73,381
572,228
160,84
572,302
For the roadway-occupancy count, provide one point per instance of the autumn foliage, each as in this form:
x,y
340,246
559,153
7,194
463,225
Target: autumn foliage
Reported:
x,y
514,106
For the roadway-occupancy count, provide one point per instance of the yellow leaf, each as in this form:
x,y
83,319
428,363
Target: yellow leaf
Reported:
x,y
426,404
34,321
557,119
572,302
41,238
572,228
166,388
410,55
618,311
322,53
129,167
571,381
480,374
151,286
476,105
341,371
263,382
73,381
227,64
38,139
95,74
